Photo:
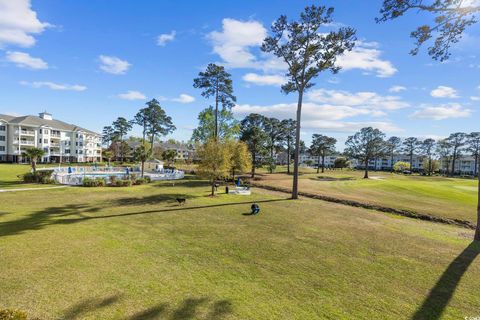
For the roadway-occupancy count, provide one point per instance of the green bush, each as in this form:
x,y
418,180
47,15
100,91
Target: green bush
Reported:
x,y
43,177
140,181
122,183
113,180
92,183
147,179
29,177
10,314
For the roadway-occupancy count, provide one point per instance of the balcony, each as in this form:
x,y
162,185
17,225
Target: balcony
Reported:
x,y
25,132
54,145
55,136
24,142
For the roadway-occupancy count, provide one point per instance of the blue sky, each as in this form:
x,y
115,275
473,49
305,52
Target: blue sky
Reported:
x,y
88,62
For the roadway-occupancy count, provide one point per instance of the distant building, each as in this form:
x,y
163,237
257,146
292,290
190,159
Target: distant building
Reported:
x,y
464,165
307,158
183,151
61,141
386,163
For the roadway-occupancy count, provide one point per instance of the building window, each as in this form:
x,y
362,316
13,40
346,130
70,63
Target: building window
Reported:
x,y
2,128
46,131
2,138
2,148
45,140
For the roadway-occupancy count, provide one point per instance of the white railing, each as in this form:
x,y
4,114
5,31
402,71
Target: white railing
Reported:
x,y
27,143
75,175
25,132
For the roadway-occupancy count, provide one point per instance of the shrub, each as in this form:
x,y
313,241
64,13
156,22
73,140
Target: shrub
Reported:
x,y
133,176
29,177
141,181
43,176
401,166
10,314
122,183
147,179
89,182
113,180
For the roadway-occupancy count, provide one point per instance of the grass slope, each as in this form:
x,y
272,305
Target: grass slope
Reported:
x,y
133,253
437,196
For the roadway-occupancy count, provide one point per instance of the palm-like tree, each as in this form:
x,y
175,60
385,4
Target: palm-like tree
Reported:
x,y
107,154
34,154
142,154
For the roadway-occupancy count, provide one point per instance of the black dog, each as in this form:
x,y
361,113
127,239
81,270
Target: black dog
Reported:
x,y
181,201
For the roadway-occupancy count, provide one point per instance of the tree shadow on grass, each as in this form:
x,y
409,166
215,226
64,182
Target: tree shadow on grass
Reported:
x,y
188,309
151,313
178,208
78,310
42,218
440,295
64,215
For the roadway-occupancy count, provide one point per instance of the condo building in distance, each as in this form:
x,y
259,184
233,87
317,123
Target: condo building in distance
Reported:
x,y
61,141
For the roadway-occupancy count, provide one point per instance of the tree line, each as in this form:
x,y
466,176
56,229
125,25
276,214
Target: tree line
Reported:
x,y
154,122
371,144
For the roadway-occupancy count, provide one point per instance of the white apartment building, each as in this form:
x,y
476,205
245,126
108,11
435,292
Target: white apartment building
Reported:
x,y
464,165
62,142
385,164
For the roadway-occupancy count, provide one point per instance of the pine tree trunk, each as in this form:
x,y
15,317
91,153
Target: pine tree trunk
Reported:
x,y
476,166
453,163
366,170
318,164
143,167
254,164
213,188
411,161
288,155
477,231
297,146
323,163
216,113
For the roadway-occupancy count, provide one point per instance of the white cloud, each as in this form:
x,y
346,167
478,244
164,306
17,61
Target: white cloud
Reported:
x,y
309,111
24,60
132,95
18,22
366,56
165,37
397,89
264,80
238,45
316,116
233,43
442,112
363,99
444,92
54,86
475,98
184,98
113,65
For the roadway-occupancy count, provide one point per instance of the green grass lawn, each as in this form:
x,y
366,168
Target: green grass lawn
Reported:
x,y
438,196
10,175
133,253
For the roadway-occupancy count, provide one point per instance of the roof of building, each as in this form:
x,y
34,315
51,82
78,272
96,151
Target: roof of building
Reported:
x,y
37,121
6,117
164,145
